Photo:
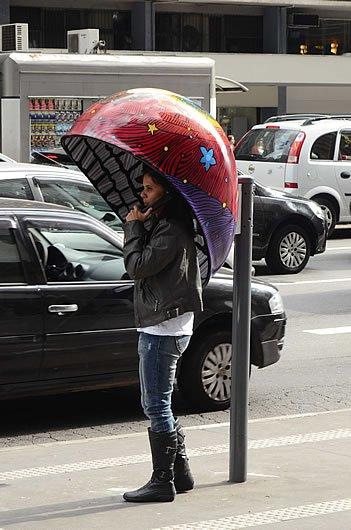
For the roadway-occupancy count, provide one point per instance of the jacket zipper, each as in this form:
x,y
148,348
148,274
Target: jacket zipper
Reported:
x,y
153,296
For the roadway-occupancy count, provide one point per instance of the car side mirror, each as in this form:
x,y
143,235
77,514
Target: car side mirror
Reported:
x,y
108,217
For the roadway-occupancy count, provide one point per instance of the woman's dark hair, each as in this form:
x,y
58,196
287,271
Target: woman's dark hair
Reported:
x,y
157,177
176,208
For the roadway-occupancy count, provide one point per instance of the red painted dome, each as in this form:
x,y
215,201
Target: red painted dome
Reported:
x,y
178,139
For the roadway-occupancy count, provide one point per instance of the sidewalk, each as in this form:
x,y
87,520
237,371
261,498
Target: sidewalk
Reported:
x,y
299,478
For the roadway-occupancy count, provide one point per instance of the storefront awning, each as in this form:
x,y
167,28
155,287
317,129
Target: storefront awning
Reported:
x,y
224,84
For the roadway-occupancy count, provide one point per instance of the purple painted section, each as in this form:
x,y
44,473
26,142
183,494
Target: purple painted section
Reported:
x,y
216,221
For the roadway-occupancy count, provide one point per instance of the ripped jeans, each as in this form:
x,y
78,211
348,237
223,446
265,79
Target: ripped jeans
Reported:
x,y
158,356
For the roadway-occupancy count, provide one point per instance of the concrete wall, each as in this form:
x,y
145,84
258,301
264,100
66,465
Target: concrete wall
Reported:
x,y
280,69
335,100
314,83
258,96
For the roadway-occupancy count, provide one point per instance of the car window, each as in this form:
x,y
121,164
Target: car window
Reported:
x,y
80,196
345,146
324,147
69,253
17,188
11,270
267,145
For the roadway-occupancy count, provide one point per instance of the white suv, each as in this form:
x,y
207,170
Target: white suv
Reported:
x,y
305,155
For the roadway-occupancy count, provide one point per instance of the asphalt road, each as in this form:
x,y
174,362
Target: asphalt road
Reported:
x,y
313,374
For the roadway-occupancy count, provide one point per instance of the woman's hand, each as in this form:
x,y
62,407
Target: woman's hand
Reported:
x,y
136,215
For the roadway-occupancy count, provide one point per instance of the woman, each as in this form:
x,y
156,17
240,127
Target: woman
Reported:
x,y
162,261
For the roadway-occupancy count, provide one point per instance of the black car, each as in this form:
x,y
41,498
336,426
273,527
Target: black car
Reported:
x,y
54,157
67,323
287,230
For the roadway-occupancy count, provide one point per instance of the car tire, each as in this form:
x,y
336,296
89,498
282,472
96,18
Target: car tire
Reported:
x,y
330,212
205,373
289,250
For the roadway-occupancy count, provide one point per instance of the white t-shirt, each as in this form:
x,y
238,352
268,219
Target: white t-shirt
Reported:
x,y
174,327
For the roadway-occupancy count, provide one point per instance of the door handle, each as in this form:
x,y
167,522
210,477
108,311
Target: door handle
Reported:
x,y
61,309
345,175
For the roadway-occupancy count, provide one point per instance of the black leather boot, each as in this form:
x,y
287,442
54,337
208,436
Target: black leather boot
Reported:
x,y
183,478
160,487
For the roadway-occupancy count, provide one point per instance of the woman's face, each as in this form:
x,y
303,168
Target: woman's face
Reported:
x,y
152,191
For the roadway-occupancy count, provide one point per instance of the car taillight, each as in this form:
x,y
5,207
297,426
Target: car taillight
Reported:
x,y
291,185
53,157
295,148
272,127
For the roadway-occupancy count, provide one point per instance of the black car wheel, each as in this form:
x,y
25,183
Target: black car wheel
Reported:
x,y
329,211
205,374
289,250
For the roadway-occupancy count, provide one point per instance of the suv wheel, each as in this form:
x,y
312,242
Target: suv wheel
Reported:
x,y
329,211
205,374
289,250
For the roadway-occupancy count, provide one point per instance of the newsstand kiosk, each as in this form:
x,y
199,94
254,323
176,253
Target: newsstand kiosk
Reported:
x,y
43,94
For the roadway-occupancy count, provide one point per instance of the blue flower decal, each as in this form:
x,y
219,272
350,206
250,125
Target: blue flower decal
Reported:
x,y
207,159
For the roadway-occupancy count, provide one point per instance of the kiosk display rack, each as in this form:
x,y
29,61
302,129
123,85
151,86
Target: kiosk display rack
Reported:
x,y
50,118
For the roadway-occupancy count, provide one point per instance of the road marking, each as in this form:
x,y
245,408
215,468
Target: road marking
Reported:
x,y
264,443
338,248
262,475
329,331
188,428
248,520
249,474
311,282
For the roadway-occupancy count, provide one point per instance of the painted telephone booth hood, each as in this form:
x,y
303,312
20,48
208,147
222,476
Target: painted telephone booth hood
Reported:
x,y
114,137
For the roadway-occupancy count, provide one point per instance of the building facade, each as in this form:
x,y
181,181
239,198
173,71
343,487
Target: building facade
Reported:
x,y
237,34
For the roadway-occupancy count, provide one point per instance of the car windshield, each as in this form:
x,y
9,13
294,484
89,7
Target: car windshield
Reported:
x,y
80,240
267,145
81,196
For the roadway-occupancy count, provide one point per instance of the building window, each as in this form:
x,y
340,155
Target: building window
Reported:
x,y
329,37
32,17
215,23
243,34
48,26
180,32
167,34
193,32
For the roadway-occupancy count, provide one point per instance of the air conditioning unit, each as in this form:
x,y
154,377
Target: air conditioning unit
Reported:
x,y
82,40
14,37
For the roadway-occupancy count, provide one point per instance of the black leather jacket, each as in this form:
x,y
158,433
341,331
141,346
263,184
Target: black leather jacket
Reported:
x,y
164,265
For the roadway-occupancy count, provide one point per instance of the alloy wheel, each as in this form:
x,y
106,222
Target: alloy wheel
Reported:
x,y
328,215
216,372
292,250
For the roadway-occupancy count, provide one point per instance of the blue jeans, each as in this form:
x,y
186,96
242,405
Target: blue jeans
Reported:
x,y
158,356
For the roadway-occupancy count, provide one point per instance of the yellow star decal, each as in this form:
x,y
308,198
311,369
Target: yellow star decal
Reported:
x,y
152,128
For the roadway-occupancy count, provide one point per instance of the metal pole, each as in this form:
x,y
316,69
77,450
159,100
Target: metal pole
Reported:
x,y
241,336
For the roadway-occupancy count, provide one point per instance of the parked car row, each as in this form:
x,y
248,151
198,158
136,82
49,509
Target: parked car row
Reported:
x,y
67,323
287,230
67,312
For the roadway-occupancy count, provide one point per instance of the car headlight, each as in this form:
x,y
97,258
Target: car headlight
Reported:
x,y
317,210
276,304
